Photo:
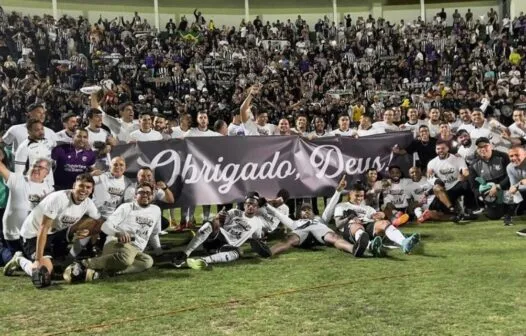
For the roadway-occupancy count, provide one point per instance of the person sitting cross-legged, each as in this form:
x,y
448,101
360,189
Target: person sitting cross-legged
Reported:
x,y
129,230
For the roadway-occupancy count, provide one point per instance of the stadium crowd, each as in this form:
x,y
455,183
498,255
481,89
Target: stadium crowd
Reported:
x,y
71,90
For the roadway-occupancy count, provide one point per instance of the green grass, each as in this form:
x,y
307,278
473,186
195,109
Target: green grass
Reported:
x,y
466,280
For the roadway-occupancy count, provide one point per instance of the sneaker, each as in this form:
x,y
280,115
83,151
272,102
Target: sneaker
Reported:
x,y
376,247
91,275
508,221
361,245
258,246
521,233
470,216
401,220
409,243
425,216
40,277
13,264
197,263
78,272
457,218
180,260
163,233
478,211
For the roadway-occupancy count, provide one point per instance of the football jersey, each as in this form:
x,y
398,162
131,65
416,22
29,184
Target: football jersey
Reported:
x,y
97,136
370,131
196,132
29,151
386,127
140,222
397,193
516,131
177,133
59,207
363,212
417,189
349,132
236,130
16,134
141,136
252,128
109,192
447,169
63,137
238,228
119,128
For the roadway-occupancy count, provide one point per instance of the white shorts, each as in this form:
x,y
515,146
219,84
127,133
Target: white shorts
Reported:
x,y
318,231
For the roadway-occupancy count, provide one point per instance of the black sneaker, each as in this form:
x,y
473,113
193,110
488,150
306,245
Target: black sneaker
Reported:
x,y
41,277
361,245
261,248
180,260
470,216
508,221
457,218
521,233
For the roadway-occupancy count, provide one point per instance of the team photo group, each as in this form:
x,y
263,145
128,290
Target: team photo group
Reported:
x,y
342,135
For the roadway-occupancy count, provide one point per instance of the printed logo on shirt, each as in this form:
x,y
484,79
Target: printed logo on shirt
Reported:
x,y
143,220
116,191
447,171
68,220
34,199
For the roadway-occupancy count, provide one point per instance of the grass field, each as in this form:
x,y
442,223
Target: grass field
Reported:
x,y
466,280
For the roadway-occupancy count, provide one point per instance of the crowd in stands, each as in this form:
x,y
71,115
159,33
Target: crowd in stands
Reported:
x,y
73,89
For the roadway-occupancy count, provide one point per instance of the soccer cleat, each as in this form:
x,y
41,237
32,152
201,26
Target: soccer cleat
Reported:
x,y
259,247
425,216
196,263
457,218
361,245
91,275
469,215
77,273
521,233
409,243
508,221
13,264
401,220
376,247
41,277
180,260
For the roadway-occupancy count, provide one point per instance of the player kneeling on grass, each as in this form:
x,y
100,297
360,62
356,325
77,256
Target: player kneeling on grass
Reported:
x,y
359,223
226,233
50,226
308,225
129,230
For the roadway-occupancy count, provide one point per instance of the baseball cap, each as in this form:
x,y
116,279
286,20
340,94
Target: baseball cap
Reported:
x,y
482,140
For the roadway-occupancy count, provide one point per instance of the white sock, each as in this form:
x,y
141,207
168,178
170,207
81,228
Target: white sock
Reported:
x,y
418,212
78,246
358,234
26,265
199,238
222,257
394,234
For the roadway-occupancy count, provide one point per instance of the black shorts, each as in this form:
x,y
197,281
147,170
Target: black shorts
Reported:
x,y
215,242
458,190
56,246
346,234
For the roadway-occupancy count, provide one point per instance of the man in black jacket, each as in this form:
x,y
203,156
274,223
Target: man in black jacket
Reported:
x,y
490,180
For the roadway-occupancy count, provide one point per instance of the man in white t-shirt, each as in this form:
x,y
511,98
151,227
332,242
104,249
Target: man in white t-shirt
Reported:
x,y
396,197
119,127
366,128
50,226
145,131
98,137
344,126
388,123
16,134
70,123
433,122
260,126
25,193
466,147
130,229
185,121
413,123
236,126
34,147
160,124
451,174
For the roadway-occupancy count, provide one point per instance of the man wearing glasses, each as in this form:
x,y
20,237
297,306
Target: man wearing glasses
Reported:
x,y
25,193
130,228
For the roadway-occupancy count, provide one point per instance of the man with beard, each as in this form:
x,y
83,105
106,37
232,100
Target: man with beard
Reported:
x,y
420,190
226,233
35,146
70,123
301,125
489,180
119,127
319,128
50,226
467,147
516,170
311,225
387,124
433,123
451,183
145,131
159,124
361,224
396,197
366,128
129,230
464,120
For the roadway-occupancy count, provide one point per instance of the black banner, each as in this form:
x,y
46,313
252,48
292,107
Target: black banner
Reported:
x,y
218,170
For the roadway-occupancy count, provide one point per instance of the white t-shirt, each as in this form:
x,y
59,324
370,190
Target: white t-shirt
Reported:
x,y
59,207
236,130
142,223
417,189
196,132
100,136
119,128
16,134
387,127
238,228
434,129
413,127
177,133
363,211
349,132
252,128
448,169
370,131
63,137
397,193
516,131
29,151
109,192
24,196
467,153
140,136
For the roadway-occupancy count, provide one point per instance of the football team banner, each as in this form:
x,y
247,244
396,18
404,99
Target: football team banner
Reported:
x,y
220,170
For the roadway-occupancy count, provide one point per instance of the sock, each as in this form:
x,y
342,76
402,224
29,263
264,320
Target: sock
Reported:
x,y
418,212
358,234
78,246
200,237
26,265
394,234
222,257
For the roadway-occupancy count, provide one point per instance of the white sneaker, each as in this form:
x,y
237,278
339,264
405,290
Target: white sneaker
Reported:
x,y
162,233
13,264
